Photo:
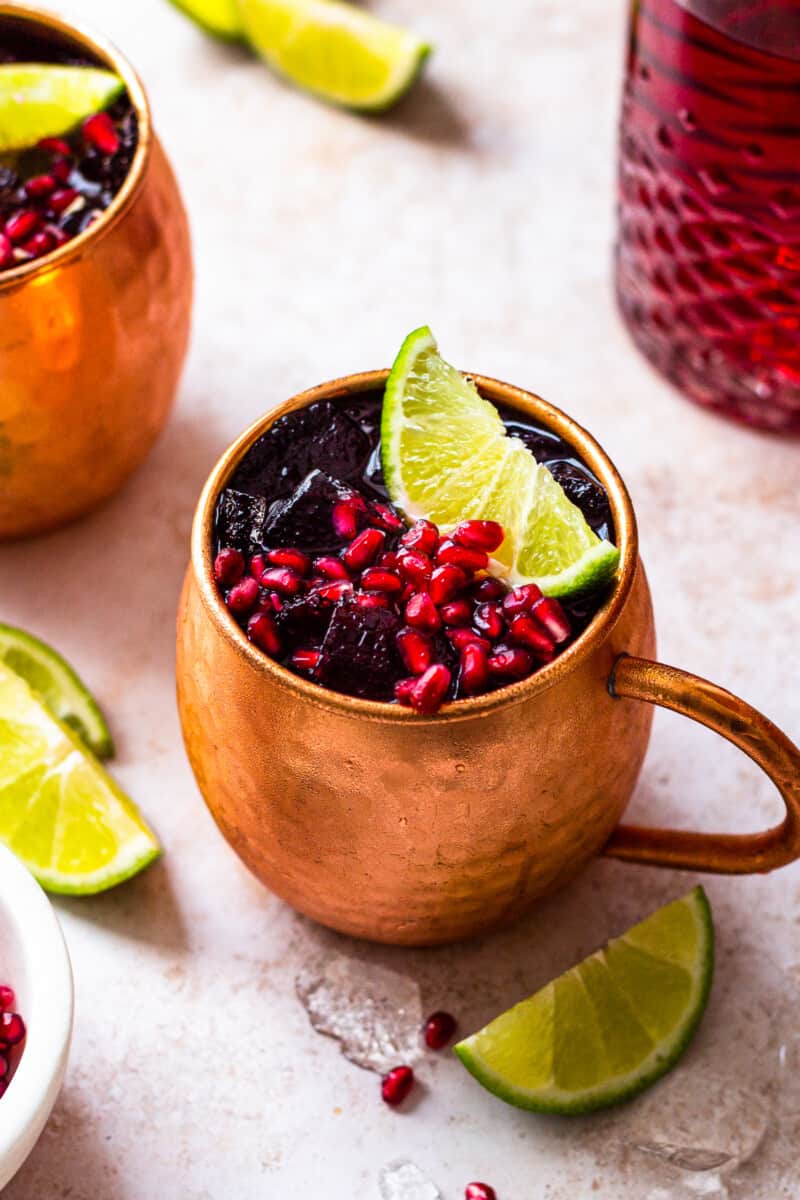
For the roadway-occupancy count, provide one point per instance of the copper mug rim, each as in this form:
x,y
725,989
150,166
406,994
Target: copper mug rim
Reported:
x,y
548,676
107,53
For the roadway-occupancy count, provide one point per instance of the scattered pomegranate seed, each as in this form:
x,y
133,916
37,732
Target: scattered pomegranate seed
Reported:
x,y
41,243
479,1191
61,199
402,691
7,997
61,169
335,591
243,596
415,567
373,600
331,568
527,633
12,1028
296,560
415,650
58,235
346,517
457,612
446,582
489,589
489,619
396,1085
449,551
522,599
283,580
479,535
258,565
55,146
514,664
388,519
229,567
549,613
305,660
364,549
422,536
389,561
461,637
430,690
275,602
474,669
99,131
439,1030
22,225
40,185
376,580
263,632
6,251
422,613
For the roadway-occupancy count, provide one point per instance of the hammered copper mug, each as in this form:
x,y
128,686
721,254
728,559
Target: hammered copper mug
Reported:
x,y
92,336
420,830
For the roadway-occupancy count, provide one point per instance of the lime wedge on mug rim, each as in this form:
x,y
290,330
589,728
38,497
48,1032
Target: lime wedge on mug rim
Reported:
x,y
39,100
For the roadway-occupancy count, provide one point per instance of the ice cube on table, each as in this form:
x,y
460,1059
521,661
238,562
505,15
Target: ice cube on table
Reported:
x,y
403,1180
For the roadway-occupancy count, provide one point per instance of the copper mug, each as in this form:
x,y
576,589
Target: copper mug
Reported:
x,y
411,830
92,336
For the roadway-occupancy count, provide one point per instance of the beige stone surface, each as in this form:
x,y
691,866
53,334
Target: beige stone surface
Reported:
x,y
483,205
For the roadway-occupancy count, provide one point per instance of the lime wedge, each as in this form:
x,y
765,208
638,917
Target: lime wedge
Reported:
x,y
218,17
57,686
60,812
336,50
446,457
608,1028
39,100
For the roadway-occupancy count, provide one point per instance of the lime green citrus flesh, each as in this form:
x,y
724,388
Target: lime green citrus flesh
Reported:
x,y
338,51
58,686
607,1029
218,17
60,812
40,100
446,457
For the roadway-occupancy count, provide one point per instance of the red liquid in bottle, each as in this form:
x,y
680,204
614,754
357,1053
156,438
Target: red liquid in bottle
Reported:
x,y
708,255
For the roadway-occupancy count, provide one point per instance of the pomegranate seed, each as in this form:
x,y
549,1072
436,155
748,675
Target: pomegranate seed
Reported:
x,y
22,225
3,1086
422,613
331,568
376,580
466,637
346,516
229,567
58,235
258,565
489,589
55,146
396,1085
389,561
283,580
387,518
449,551
242,598
61,199
516,664
372,600
528,634
408,591
430,690
479,1191
415,650
522,599
474,669
40,185
6,251
99,131
7,997
489,619
275,602
415,567
263,632
439,1030
446,583
457,612
422,536
364,549
305,660
551,616
12,1028
41,243
335,591
61,169
402,691
3,1066
294,559
479,535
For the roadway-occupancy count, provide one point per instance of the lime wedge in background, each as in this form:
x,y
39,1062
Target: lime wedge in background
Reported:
x,y
218,17
608,1028
60,812
57,686
39,100
446,457
336,50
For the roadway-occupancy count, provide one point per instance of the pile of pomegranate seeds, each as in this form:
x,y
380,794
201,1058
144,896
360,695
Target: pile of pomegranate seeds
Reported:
x,y
408,613
12,1033
58,188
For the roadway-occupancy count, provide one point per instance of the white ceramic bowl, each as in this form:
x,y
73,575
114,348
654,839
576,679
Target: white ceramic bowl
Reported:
x,y
34,961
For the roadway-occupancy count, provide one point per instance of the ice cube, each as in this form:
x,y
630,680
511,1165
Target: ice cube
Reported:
x,y
240,520
403,1180
304,519
359,653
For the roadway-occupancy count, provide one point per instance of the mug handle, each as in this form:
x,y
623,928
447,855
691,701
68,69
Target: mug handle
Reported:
x,y
712,706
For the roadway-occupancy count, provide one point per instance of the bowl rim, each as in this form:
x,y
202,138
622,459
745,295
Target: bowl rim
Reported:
x,y
596,632
34,1085
107,53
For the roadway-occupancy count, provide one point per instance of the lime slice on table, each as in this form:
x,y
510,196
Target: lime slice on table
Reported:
x,y
39,100
57,686
446,457
608,1028
60,812
218,17
339,51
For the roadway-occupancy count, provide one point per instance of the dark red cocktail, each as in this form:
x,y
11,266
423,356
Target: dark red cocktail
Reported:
x,y
708,256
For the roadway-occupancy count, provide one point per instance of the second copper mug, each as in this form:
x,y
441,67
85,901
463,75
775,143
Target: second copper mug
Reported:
x,y
420,830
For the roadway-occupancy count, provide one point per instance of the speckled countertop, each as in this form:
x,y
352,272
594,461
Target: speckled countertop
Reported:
x,y
483,205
